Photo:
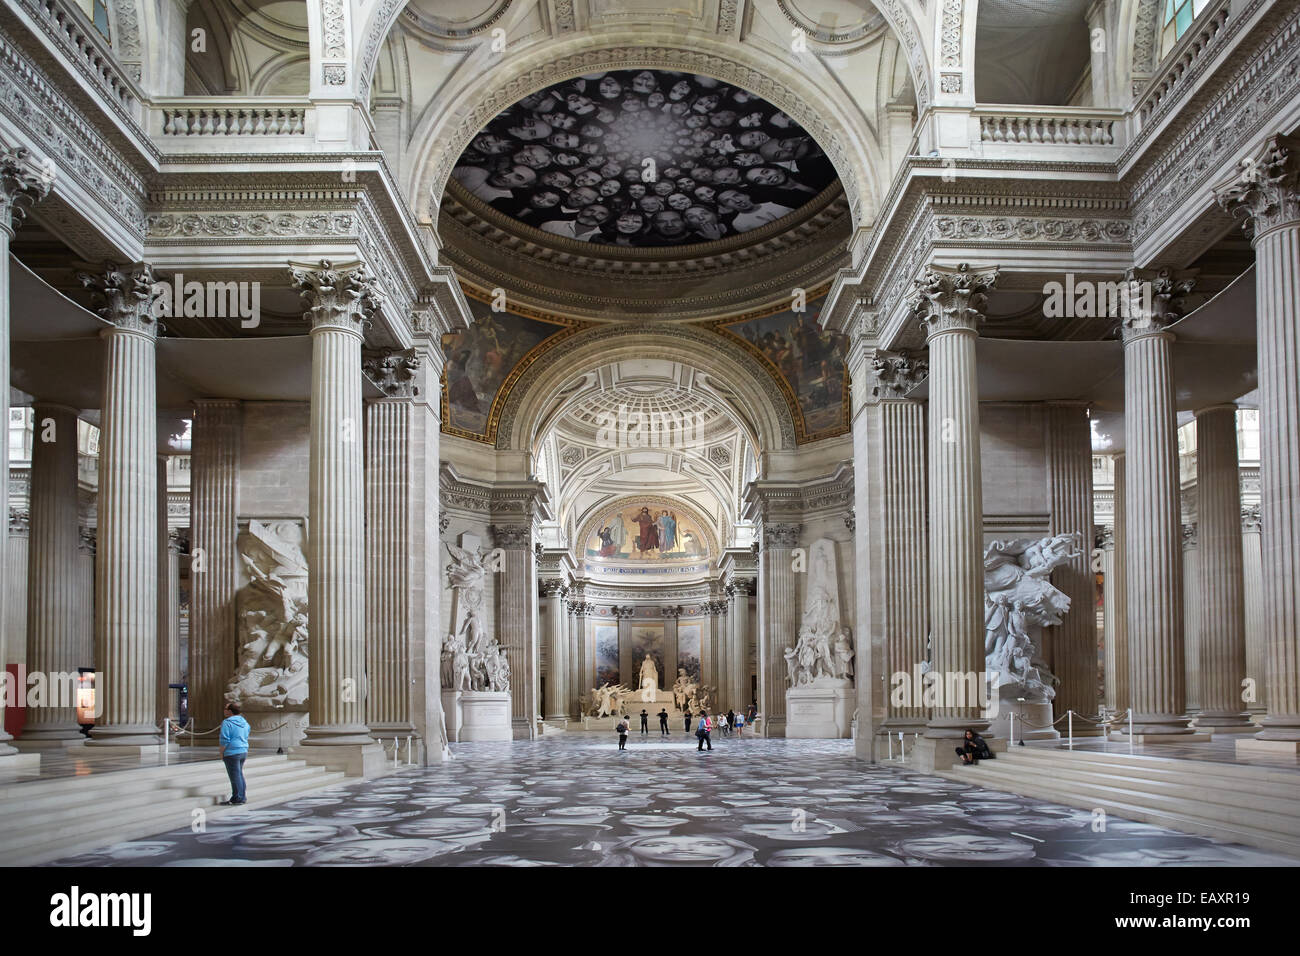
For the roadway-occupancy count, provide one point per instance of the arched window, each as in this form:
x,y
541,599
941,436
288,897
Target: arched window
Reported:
x,y
97,13
1179,15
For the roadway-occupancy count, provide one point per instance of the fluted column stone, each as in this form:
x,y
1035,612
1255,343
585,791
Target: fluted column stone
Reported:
x,y
778,622
1115,596
948,302
337,300
1191,619
556,694
1154,529
1222,661
1069,477
214,557
516,623
1252,574
1266,194
23,182
52,646
126,579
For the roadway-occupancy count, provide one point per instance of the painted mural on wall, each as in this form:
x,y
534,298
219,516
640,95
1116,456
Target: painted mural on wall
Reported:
x,y
643,158
483,360
607,655
688,650
808,363
647,537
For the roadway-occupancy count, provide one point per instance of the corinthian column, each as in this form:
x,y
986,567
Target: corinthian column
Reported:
x,y
1116,593
1154,531
22,183
1069,483
337,302
1222,588
126,572
52,577
948,302
778,622
1267,196
557,638
214,529
389,481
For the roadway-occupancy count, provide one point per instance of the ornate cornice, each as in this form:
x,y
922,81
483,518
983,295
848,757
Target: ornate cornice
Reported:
x,y
336,297
126,295
1265,192
392,371
949,300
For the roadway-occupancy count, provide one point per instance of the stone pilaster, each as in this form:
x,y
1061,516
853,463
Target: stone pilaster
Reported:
x,y
1191,620
948,302
736,690
169,626
778,622
671,616
126,580
52,645
85,604
1115,595
586,654
516,623
1267,196
1069,486
1222,588
388,574
214,558
555,706
337,301
1253,598
1154,530
22,182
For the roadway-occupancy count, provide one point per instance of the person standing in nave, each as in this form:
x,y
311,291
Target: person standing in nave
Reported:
x,y
645,723
663,723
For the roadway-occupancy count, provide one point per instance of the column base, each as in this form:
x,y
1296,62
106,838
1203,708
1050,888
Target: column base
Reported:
x,y
903,725
1225,724
355,760
28,744
940,753
1253,746
127,735
20,763
775,727
1191,737
105,751
954,728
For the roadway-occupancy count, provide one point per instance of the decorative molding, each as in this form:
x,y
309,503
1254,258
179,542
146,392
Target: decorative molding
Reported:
x,y
333,30
949,300
23,183
337,298
251,225
1018,229
1265,193
851,522
125,295
392,370
950,37
443,521
334,74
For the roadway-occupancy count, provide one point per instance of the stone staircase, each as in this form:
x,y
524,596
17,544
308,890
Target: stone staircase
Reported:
x,y
1257,806
43,820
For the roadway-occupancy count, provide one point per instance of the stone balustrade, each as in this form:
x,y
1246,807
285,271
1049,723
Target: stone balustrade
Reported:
x,y
1206,33
191,117
1059,126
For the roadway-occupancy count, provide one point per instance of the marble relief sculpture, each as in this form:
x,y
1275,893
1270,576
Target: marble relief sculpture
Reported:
x,y
606,700
825,645
471,660
272,618
1019,600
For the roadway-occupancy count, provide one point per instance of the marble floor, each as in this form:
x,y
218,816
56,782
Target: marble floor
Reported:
x,y
575,800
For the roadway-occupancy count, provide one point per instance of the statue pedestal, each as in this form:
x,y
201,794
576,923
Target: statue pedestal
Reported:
x,y
1033,721
262,724
477,715
823,708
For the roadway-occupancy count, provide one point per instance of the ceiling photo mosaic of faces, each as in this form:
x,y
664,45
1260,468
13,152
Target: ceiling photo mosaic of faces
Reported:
x,y
644,158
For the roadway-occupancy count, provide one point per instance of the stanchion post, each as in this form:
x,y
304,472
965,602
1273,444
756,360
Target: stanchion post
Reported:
x,y
1130,729
1070,725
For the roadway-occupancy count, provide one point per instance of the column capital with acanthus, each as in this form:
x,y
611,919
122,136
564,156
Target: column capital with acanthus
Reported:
x,y
951,300
894,374
780,536
393,371
126,295
1156,300
23,181
337,297
1264,191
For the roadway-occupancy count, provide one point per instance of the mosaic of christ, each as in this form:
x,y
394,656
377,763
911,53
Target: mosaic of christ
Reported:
x,y
644,158
646,533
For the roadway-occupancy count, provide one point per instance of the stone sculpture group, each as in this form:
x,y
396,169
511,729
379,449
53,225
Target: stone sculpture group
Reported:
x,y
825,646
471,661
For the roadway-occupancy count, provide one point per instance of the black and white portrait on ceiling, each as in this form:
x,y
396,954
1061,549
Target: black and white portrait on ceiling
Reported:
x,y
644,158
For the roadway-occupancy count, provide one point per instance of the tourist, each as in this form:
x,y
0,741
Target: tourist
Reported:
x,y
731,722
974,749
740,724
703,729
233,745
687,717
623,727
663,723
645,723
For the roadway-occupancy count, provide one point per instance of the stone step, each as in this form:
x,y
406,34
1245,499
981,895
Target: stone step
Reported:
x,y
105,820
1286,808
1199,775
1209,768
279,779
1188,814
127,778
